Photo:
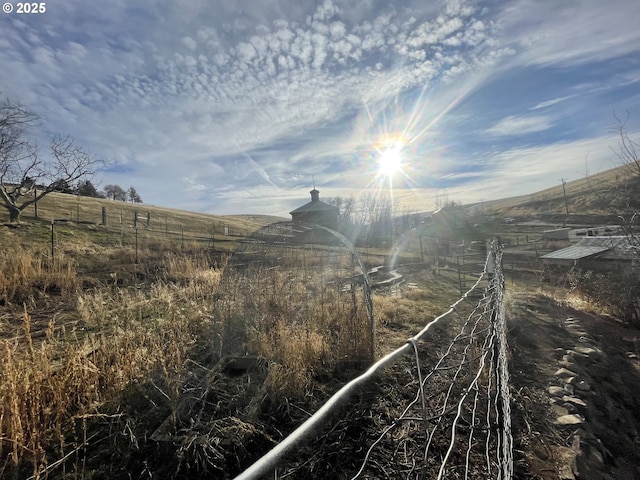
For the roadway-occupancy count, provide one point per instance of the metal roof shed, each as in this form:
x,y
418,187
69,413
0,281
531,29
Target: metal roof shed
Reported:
x,y
573,253
594,248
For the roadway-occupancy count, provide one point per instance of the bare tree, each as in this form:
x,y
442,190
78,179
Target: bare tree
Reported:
x,y
627,152
627,281
345,207
25,177
625,200
619,289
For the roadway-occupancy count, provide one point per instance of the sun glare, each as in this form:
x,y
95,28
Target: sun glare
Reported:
x,y
390,160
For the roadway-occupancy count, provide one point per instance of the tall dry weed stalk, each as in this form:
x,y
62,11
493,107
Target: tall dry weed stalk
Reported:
x,y
49,386
25,270
307,316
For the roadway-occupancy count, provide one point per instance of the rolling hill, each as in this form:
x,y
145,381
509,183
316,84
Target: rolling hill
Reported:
x,y
609,193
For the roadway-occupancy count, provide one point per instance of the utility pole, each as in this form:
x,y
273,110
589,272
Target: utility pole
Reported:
x,y
564,192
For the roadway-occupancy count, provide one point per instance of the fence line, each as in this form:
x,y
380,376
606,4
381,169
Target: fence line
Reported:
x,y
477,360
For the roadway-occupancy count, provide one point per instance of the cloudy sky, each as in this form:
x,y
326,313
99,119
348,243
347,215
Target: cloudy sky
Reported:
x,y
234,106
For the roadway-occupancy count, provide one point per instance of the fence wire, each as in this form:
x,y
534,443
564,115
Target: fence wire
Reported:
x,y
457,424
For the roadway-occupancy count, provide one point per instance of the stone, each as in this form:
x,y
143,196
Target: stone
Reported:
x,y
569,380
559,411
564,372
570,407
555,390
570,419
582,385
586,338
588,351
574,401
579,357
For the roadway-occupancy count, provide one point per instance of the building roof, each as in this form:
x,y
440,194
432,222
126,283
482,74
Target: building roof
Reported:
x,y
575,252
318,206
315,205
605,248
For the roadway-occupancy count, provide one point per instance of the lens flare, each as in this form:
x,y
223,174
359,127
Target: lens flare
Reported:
x,y
390,161
389,149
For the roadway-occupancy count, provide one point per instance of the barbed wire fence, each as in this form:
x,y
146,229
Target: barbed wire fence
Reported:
x,y
457,422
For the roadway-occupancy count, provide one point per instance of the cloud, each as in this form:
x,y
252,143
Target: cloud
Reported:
x,y
519,125
552,102
569,33
220,93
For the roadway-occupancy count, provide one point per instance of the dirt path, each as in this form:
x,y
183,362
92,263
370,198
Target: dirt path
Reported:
x,y
576,379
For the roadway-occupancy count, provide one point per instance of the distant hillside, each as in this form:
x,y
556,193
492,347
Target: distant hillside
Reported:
x,y
605,194
154,222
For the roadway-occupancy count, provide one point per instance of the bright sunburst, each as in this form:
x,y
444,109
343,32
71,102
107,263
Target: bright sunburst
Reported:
x,y
389,156
390,161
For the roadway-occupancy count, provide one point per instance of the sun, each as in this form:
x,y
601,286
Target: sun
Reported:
x,y
390,159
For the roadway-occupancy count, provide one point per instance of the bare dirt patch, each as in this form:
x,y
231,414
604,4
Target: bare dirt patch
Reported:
x,y
575,382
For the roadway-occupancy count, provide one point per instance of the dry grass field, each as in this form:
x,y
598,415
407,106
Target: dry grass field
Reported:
x,y
595,195
88,310
118,344
103,336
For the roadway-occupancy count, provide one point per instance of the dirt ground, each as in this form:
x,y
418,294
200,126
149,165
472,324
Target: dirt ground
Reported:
x,y
576,379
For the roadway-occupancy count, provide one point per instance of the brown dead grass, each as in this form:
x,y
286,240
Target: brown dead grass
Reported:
x,y
51,385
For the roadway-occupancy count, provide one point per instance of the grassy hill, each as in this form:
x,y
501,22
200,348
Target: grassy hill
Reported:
x,y
81,218
605,194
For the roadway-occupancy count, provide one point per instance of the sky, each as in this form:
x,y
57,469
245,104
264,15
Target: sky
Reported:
x,y
230,107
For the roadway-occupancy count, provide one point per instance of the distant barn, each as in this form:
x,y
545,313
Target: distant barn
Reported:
x,y
316,212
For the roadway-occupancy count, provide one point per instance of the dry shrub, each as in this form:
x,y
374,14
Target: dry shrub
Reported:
x,y
295,353
396,311
616,292
24,272
45,389
289,317
290,381
39,386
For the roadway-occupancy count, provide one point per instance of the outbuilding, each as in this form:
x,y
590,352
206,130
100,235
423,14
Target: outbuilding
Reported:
x,y
595,251
316,212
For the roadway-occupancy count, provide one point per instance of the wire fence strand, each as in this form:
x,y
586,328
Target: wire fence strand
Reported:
x,y
457,424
